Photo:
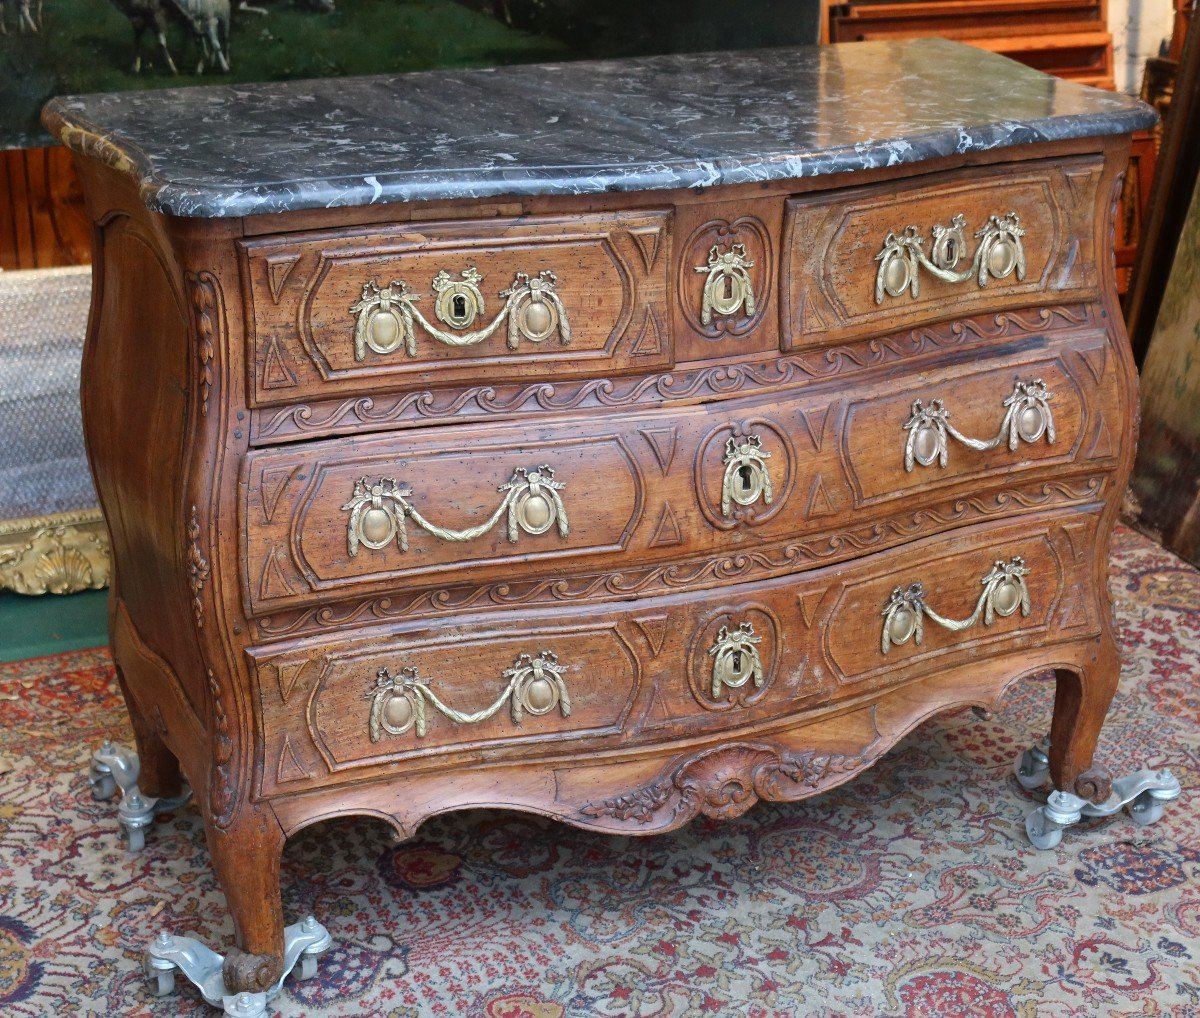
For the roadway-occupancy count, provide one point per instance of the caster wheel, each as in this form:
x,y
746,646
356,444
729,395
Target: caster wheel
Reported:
x,y
1030,771
308,966
135,839
1146,809
161,983
1041,834
103,788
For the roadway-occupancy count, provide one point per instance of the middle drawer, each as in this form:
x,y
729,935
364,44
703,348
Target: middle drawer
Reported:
x,y
544,501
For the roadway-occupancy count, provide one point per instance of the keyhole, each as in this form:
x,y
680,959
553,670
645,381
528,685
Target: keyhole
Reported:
x,y
460,306
729,287
745,474
737,661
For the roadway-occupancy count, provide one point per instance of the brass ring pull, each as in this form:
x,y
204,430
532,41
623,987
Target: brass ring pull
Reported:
x,y
536,686
1000,253
386,317
727,289
378,511
1004,591
1027,418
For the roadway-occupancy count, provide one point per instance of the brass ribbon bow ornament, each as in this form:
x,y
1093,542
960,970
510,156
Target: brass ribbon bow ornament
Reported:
x,y
386,316
378,511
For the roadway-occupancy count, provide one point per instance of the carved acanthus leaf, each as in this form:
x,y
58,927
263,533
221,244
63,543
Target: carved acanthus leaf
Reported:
x,y
197,566
724,783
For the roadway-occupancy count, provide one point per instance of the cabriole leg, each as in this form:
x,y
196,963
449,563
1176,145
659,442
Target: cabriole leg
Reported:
x,y
160,775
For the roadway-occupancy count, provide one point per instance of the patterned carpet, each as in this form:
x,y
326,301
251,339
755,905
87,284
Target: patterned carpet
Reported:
x,y
909,891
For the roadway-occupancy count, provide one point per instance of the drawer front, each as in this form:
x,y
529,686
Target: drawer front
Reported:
x,y
626,673
514,512
365,311
877,259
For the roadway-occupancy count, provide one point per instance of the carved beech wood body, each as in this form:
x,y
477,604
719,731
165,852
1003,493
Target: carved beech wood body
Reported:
x,y
699,521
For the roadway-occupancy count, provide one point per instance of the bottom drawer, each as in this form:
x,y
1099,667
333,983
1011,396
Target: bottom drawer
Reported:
x,y
611,677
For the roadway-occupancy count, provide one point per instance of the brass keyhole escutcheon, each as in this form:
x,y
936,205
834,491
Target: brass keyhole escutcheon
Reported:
x,y
747,478
736,660
459,301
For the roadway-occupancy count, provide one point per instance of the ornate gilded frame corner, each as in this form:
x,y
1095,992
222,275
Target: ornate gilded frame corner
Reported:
x,y
57,554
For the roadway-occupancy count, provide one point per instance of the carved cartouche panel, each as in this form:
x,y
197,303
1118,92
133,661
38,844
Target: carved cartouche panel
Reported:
x,y
744,472
725,279
320,520
891,462
952,585
733,656
326,715
473,300
833,248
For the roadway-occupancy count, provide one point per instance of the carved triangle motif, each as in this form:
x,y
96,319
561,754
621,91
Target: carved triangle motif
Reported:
x,y
272,583
289,768
654,629
808,607
1076,535
649,340
276,373
286,674
819,502
279,267
1096,360
1102,444
1078,183
662,444
810,317
647,239
270,487
814,423
667,531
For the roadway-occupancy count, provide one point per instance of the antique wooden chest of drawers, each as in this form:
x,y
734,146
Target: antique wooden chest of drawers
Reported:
x,y
620,442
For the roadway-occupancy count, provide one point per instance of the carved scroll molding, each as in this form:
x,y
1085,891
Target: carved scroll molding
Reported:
x,y
197,567
205,294
58,554
655,578
724,783
481,402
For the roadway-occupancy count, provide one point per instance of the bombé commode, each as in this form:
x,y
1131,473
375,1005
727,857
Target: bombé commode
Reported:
x,y
647,439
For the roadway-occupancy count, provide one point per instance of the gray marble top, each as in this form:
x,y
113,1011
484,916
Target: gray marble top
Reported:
x,y
694,120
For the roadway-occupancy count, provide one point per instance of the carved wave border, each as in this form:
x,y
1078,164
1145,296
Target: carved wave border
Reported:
x,y
675,576
654,390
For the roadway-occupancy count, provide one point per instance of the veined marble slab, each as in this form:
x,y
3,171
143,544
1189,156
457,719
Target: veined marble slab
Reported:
x,y
693,120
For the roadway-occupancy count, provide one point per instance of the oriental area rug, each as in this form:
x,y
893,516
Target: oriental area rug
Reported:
x,y
909,891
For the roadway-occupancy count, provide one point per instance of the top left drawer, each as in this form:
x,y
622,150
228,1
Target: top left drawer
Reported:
x,y
351,312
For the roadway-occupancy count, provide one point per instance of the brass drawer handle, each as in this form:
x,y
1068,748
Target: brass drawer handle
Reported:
x,y
1000,253
377,511
727,289
386,317
1027,418
535,686
1004,591
746,478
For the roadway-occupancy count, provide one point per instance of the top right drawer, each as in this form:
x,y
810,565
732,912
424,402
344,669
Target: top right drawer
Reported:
x,y
895,255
